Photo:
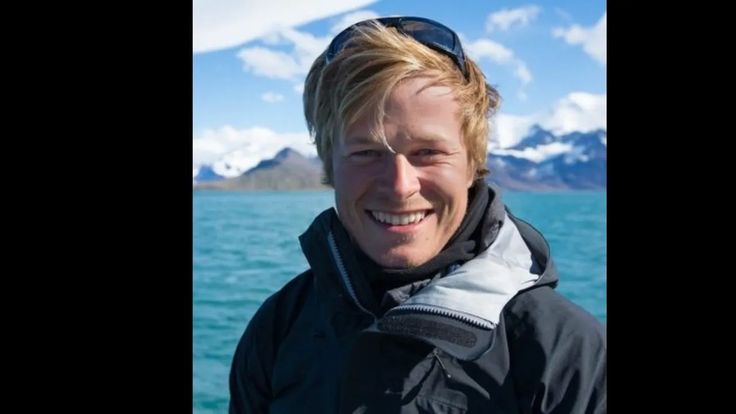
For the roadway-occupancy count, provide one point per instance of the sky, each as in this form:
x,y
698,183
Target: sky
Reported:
x,y
250,59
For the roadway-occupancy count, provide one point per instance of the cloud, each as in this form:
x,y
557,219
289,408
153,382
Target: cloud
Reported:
x,y
503,20
522,72
486,48
593,39
352,18
537,154
233,151
293,65
222,24
500,54
299,88
305,48
578,111
272,97
269,63
507,130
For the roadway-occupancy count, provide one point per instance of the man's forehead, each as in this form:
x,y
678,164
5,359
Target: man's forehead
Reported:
x,y
353,139
361,139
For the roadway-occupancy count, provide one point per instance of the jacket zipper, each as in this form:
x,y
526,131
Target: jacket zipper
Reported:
x,y
344,274
474,321
471,320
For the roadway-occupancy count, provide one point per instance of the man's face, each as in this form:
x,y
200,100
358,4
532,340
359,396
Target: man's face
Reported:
x,y
402,206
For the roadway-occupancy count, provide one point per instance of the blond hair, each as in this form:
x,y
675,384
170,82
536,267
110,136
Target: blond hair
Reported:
x,y
360,79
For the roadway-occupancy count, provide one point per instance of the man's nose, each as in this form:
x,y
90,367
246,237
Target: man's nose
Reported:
x,y
400,177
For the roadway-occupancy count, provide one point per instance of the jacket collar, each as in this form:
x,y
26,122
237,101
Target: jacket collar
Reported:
x,y
467,301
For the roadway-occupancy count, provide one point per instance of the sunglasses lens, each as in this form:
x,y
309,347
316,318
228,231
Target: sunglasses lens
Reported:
x,y
426,33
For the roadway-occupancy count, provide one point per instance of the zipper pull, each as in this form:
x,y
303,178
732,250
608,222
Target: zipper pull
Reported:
x,y
444,370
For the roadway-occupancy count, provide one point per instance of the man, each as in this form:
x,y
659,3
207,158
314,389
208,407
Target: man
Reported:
x,y
424,293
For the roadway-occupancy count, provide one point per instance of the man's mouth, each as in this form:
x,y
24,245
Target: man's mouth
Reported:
x,y
399,218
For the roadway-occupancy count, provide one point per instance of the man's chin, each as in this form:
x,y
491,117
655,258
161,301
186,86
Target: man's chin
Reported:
x,y
400,260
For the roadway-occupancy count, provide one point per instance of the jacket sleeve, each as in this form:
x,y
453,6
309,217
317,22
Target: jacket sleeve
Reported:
x,y
559,365
250,373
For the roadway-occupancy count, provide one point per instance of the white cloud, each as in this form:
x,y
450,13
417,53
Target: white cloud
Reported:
x,y
272,97
593,39
281,65
508,130
576,154
306,47
537,154
504,19
352,18
221,24
486,48
232,151
522,72
500,54
269,63
578,111
271,39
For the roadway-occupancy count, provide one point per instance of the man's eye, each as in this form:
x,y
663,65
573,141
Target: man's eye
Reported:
x,y
427,152
366,154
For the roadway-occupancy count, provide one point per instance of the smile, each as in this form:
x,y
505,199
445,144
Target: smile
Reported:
x,y
399,219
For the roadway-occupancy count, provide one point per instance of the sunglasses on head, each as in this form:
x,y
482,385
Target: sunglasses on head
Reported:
x,y
428,32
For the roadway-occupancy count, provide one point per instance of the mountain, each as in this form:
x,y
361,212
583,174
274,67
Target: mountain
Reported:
x,y
543,161
206,174
288,170
535,137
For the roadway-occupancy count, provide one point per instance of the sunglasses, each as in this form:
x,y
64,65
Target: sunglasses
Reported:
x,y
428,32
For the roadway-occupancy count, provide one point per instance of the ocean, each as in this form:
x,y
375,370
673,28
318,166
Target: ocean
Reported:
x,y
246,247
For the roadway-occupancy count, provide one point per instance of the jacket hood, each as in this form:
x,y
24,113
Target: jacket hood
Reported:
x,y
457,312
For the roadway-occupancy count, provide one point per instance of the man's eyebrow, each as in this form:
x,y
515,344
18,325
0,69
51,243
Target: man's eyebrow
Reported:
x,y
428,138
360,140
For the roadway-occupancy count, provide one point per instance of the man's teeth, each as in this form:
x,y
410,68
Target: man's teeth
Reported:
x,y
396,219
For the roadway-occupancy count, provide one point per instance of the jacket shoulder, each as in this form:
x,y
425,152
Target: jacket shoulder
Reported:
x,y
289,299
280,309
542,312
252,363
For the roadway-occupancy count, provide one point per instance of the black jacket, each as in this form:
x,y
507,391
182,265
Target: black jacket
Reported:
x,y
489,336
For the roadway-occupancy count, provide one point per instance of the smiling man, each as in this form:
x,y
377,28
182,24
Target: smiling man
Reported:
x,y
402,200
424,293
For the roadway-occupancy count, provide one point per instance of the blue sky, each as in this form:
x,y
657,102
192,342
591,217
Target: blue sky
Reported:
x,y
547,59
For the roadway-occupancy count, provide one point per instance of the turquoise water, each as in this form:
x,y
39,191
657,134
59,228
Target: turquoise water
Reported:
x,y
246,247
